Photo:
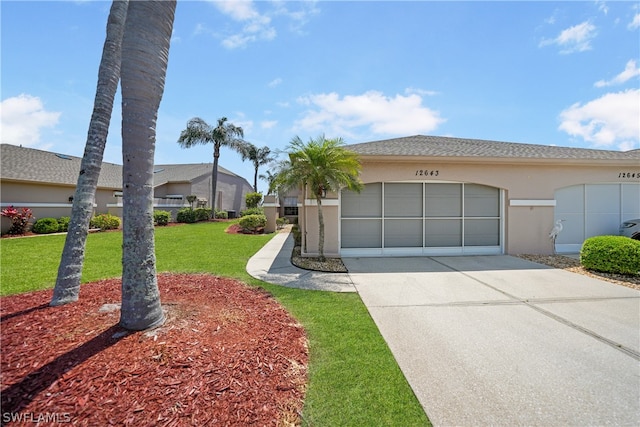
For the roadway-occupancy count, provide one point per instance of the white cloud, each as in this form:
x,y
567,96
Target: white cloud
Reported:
x,y
631,70
574,39
635,22
609,121
421,92
257,25
398,115
268,124
275,82
22,118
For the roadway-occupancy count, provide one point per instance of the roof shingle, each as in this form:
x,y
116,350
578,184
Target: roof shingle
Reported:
x,y
439,146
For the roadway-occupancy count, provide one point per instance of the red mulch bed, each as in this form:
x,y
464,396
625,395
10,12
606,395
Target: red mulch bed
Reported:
x,y
228,354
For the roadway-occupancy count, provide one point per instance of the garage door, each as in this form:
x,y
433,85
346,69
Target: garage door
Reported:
x,y
593,210
409,218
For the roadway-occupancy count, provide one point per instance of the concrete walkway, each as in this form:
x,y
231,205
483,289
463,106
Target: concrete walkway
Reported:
x,y
494,340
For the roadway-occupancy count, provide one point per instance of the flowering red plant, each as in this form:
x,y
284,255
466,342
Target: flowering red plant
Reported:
x,y
19,219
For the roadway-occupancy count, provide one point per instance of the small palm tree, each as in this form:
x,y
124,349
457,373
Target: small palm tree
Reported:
x,y
270,177
258,156
224,134
322,165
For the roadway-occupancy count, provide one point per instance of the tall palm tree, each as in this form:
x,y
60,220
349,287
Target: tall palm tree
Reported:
x,y
224,134
321,165
67,288
258,156
270,177
145,54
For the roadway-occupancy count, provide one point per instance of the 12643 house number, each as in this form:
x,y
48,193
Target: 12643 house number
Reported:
x,y
427,172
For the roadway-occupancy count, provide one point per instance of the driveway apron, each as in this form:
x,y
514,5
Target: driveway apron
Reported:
x,y
496,340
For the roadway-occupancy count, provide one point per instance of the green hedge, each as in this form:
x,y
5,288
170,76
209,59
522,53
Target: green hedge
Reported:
x,y
45,226
611,254
105,222
252,211
187,215
203,214
253,223
63,223
161,217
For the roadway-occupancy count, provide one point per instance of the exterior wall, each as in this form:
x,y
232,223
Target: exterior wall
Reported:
x,y
231,191
308,218
46,200
529,192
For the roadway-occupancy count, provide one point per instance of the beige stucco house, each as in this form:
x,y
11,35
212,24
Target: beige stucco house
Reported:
x,y
45,182
427,195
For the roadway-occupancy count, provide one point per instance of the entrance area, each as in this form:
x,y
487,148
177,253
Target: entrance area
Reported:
x,y
421,218
593,210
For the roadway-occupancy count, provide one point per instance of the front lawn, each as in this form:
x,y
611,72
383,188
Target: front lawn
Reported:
x,y
353,377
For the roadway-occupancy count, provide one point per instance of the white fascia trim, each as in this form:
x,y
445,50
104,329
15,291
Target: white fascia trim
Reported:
x,y
271,205
528,202
325,202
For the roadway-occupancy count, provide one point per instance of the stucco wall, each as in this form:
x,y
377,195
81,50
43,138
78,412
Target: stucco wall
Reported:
x,y
528,190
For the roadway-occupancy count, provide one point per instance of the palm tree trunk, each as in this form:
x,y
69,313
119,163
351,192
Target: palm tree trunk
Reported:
x,y
214,179
145,51
67,288
320,229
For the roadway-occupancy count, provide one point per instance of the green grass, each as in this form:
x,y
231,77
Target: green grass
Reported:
x,y
353,377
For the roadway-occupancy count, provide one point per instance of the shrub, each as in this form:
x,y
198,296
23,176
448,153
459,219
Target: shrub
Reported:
x,y
282,221
297,235
45,226
63,223
187,215
161,217
252,223
105,222
252,211
253,200
220,214
19,219
203,214
611,254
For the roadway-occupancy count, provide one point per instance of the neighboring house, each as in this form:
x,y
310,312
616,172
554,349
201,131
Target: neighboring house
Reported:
x,y
46,181
428,195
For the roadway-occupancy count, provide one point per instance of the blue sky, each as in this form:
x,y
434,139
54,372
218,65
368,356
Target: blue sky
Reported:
x,y
553,73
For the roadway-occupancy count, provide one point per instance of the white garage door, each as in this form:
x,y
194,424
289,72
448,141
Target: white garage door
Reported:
x,y
409,218
593,210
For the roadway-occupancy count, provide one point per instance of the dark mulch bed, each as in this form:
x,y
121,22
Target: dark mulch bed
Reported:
x,y
228,354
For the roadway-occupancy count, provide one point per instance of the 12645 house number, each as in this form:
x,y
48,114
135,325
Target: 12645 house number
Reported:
x,y
427,172
629,175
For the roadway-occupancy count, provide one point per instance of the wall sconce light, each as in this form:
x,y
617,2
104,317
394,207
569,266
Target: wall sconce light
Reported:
x,y
70,199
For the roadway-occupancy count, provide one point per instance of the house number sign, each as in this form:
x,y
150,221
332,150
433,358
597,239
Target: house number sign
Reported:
x,y
427,172
629,175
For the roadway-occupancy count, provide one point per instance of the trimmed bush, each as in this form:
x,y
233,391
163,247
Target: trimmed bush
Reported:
x,y
222,214
252,211
161,217
611,254
282,221
186,215
105,222
253,200
63,223
203,214
253,223
297,235
45,226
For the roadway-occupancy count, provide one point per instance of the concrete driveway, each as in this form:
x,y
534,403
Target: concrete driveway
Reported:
x,y
496,340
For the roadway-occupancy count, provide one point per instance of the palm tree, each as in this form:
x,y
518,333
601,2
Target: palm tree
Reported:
x,y
258,156
224,134
322,165
67,288
270,177
145,54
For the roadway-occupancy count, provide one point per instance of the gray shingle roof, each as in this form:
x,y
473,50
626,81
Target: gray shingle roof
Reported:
x,y
31,165
439,146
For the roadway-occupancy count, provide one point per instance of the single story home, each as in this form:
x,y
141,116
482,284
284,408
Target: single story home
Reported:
x,y
430,195
45,182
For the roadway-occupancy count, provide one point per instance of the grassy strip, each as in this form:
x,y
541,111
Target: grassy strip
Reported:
x,y
353,377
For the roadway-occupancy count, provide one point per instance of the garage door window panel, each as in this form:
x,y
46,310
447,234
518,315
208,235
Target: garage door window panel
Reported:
x,y
443,200
481,201
401,233
403,200
443,233
482,232
366,204
363,233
